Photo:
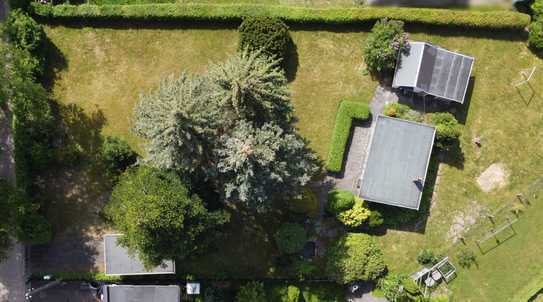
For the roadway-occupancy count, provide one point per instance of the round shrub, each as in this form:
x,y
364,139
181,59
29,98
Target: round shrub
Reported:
x,y
339,201
251,292
117,154
427,257
307,204
466,258
355,257
448,129
290,238
535,37
376,219
269,35
356,216
382,46
24,32
392,287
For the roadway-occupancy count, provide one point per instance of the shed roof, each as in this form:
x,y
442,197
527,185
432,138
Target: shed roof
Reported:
x,y
118,261
142,293
435,71
398,155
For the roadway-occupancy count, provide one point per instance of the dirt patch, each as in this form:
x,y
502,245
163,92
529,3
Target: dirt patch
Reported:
x,y
462,221
494,177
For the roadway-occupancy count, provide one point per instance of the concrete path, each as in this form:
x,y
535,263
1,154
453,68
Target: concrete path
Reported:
x,y
12,269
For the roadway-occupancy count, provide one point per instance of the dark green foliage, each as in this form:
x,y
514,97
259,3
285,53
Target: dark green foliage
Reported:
x,y
117,154
347,112
381,49
302,15
19,4
159,217
306,204
26,34
427,257
466,258
308,292
448,130
35,229
392,287
258,165
339,201
265,34
213,294
251,292
290,238
304,268
354,257
535,37
376,219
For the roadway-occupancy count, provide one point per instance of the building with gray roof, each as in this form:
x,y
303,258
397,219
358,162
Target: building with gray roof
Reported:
x,y
397,162
141,293
119,262
432,70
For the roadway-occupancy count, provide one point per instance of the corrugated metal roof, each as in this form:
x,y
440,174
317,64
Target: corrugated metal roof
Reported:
x,y
118,260
441,73
398,155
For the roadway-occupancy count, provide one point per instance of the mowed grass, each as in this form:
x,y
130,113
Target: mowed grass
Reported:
x,y
106,70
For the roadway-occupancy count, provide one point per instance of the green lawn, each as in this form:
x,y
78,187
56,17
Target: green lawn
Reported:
x,y
105,69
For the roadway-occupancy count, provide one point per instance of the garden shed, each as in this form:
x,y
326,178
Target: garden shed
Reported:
x,y
137,293
119,262
431,70
397,162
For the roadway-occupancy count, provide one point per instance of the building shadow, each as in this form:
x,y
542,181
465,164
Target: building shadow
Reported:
x,y
461,110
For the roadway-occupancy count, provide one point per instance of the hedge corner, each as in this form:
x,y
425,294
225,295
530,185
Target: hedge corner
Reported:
x,y
347,111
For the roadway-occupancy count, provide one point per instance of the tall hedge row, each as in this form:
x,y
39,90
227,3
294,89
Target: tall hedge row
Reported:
x,y
301,15
348,110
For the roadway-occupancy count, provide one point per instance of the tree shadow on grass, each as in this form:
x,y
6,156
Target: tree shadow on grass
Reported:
x,y
55,62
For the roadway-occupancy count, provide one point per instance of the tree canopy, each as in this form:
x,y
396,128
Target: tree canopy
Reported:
x,y
232,126
159,217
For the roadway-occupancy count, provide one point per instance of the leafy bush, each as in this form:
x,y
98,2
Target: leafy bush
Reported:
x,y
307,204
304,269
117,154
382,46
356,216
269,35
537,9
466,258
427,257
347,111
535,37
354,257
412,290
339,201
251,292
35,229
396,110
323,292
26,34
19,4
376,219
392,286
290,238
448,130
303,15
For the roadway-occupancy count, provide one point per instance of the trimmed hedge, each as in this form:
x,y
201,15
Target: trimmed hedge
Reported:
x,y
302,15
348,110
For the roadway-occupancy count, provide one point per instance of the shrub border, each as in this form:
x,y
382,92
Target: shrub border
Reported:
x,y
347,111
292,14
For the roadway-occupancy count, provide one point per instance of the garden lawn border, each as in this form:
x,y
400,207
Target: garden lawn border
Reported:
x,y
292,14
347,111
